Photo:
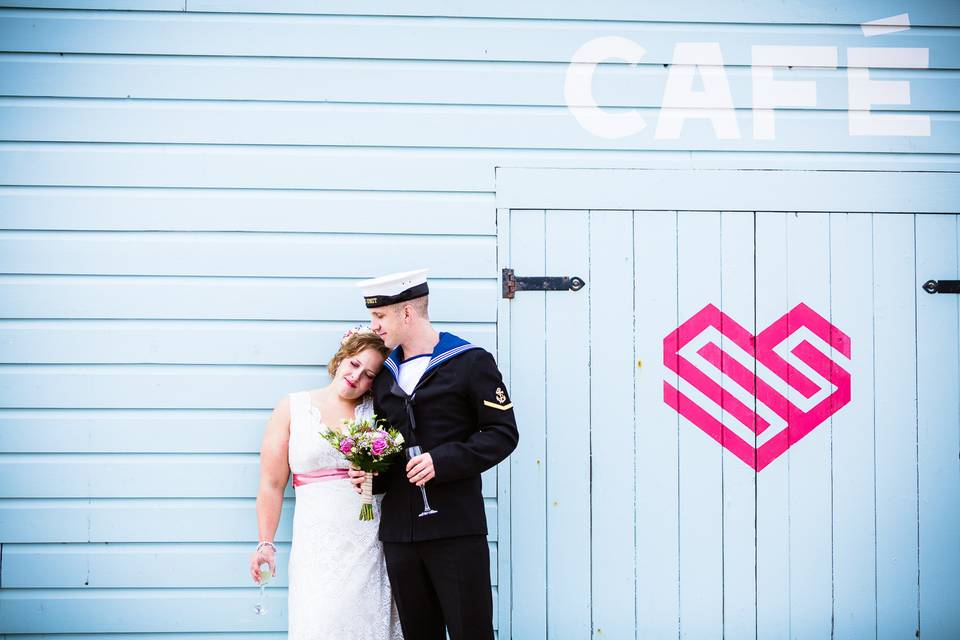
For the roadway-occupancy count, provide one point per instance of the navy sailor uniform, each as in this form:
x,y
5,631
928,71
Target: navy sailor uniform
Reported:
x,y
460,413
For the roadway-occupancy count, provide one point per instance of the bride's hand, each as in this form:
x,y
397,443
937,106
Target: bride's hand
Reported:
x,y
262,555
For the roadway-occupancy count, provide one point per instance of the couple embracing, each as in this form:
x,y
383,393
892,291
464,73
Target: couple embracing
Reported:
x,y
424,573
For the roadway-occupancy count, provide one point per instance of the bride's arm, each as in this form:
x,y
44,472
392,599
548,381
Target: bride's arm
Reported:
x,y
274,473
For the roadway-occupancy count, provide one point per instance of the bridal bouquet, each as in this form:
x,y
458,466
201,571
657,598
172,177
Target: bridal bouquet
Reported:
x,y
369,445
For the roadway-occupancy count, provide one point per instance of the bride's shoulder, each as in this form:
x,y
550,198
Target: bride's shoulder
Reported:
x,y
287,402
280,417
310,396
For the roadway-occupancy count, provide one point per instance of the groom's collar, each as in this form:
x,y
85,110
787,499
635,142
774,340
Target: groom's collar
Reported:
x,y
448,347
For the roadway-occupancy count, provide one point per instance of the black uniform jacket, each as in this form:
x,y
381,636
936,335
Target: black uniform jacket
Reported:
x,y
464,419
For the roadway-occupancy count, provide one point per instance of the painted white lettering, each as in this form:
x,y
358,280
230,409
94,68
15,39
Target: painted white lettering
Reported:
x,y
681,102
768,94
864,93
578,87
884,26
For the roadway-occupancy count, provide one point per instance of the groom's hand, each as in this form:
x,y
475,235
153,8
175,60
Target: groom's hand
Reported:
x,y
420,469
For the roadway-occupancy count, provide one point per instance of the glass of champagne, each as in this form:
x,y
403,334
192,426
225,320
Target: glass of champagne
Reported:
x,y
265,574
413,452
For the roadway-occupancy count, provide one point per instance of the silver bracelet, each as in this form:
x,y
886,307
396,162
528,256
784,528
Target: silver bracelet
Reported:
x,y
266,543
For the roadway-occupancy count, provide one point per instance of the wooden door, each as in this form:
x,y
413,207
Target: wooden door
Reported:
x,y
746,424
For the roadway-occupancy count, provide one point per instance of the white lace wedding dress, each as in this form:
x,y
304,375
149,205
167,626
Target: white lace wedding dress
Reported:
x,y
338,585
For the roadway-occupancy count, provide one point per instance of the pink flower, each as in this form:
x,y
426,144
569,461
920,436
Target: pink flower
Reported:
x,y
378,446
346,446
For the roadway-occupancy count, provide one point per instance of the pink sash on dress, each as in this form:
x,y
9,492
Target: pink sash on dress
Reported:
x,y
329,473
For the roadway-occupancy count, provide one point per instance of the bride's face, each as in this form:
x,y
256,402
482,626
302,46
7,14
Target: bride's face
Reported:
x,y
356,373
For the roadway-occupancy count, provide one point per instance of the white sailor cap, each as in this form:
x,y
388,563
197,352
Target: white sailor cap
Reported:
x,y
394,288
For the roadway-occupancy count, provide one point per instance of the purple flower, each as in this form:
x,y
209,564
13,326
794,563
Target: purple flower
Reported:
x,y
378,446
346,446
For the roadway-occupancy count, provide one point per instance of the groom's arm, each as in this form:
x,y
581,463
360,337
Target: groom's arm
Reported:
x,y
496,433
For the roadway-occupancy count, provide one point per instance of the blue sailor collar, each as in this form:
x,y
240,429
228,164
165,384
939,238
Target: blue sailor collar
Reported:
x,y
450,346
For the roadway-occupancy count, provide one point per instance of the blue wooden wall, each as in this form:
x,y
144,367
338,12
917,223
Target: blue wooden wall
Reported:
x,y
189,190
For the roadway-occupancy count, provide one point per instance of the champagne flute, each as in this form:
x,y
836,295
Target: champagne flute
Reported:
x,y
413,452
265,574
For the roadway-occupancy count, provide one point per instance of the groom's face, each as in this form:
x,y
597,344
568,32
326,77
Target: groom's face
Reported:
x,y
387,322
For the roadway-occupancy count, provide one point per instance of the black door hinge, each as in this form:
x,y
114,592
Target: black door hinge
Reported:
x,y
512,284
942,286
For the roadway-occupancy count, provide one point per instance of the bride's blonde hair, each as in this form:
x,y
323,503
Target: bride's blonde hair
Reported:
x,y
354,343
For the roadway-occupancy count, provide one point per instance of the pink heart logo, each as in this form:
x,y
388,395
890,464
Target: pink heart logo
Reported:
x,y
762,348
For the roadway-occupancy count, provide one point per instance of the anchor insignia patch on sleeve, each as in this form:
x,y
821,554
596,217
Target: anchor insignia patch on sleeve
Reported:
x,y
501,402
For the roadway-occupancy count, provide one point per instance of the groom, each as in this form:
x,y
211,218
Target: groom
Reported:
x,y
447,396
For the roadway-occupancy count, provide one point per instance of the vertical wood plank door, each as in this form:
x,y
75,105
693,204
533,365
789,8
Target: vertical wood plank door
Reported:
x,y
745,425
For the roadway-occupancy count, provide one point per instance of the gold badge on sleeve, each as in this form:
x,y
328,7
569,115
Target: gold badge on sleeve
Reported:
x,y
501,402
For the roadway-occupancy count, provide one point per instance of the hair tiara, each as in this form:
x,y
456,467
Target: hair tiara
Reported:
x,y
355,331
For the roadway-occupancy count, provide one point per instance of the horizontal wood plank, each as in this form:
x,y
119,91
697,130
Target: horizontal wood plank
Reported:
x,y
147,520
192,166
438,126
379,169
188,341
299,255
100,5
132,431
119,566
809,12
267,79
25,30
226,298
142,610
152,386
106,209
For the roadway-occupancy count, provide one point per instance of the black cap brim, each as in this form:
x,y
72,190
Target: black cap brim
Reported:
x,y
417,291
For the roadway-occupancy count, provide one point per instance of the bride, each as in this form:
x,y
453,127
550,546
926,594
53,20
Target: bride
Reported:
x,y
338,585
